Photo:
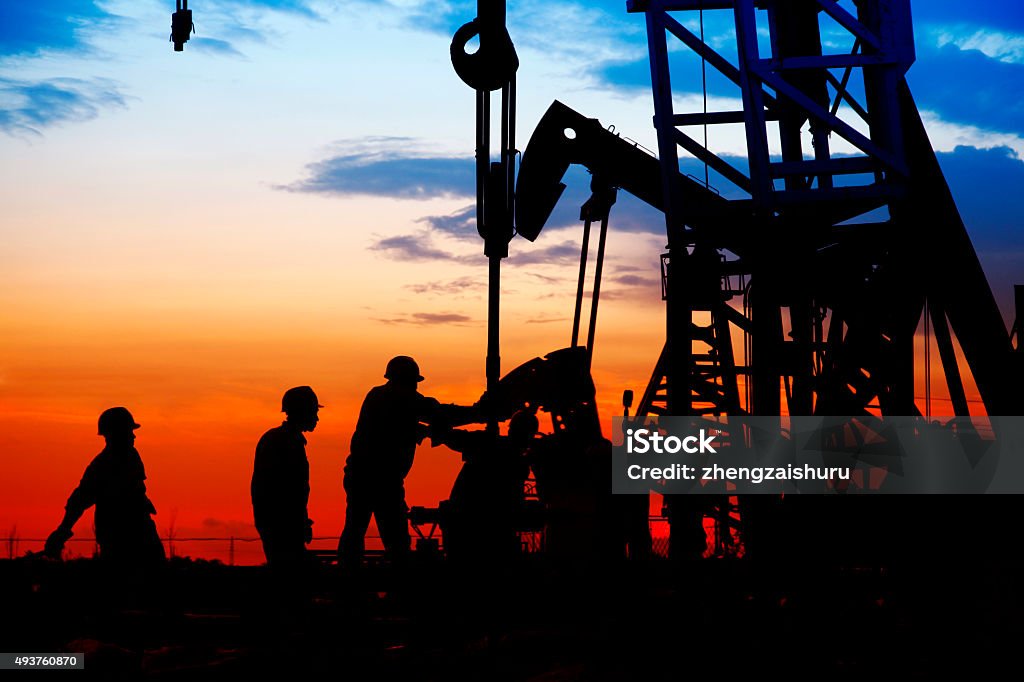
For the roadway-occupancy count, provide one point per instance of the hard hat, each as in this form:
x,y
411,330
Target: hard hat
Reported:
x,y
116,419
403,368
298,399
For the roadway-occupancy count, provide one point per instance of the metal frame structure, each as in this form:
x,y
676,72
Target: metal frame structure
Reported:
x,y
833,296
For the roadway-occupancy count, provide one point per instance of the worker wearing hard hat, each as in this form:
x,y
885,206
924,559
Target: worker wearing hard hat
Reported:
x,y
280,482
115,483
392,421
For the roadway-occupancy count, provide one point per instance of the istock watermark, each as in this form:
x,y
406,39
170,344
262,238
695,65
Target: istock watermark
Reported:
x,y
642,441
818,455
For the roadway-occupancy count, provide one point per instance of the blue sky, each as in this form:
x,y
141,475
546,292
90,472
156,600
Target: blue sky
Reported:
x,y
354,101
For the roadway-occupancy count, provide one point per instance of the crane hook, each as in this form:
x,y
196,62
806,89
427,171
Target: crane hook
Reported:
x,y
490,67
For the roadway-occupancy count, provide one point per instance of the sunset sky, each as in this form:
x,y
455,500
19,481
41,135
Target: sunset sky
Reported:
x,y
289,202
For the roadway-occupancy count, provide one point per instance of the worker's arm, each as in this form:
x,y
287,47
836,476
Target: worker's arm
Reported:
x,y
81,498
462,442
433,412
448,415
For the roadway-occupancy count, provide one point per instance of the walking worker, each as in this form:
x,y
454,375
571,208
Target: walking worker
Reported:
x,y
392,422
115,482
280,481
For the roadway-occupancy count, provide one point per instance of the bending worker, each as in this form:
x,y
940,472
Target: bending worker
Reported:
x,y
391,424
115,482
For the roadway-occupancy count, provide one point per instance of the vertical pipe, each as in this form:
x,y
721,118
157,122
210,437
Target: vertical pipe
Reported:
x,y
503,153
598,268
584,252
493,368
510,167
483,154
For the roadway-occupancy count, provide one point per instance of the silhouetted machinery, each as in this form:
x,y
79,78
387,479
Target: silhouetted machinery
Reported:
x,y
839,255
182,27
826,253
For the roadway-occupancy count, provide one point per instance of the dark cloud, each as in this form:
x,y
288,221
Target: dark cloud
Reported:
x,y
429,319
28,106
635,281
461,223
28,26
420,247
412,247
389,166
984,183
545,320
524,253
967,87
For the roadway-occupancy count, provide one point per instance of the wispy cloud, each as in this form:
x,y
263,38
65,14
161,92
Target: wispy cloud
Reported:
x,y
388,166
545,320
215,46
546,279
303,7
635,281
460,224
416,247
1004,47
428,319
28,106
421,247
564,253
453,287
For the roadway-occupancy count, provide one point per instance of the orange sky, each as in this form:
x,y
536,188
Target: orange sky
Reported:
x,y
203,375
153,257
206,388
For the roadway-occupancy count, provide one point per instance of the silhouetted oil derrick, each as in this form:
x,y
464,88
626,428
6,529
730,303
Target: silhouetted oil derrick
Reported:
x,y
835,240
825,249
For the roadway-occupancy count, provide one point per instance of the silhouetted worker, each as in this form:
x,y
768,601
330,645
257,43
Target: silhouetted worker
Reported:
x,y
390,425
486,502
280,482
115,483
